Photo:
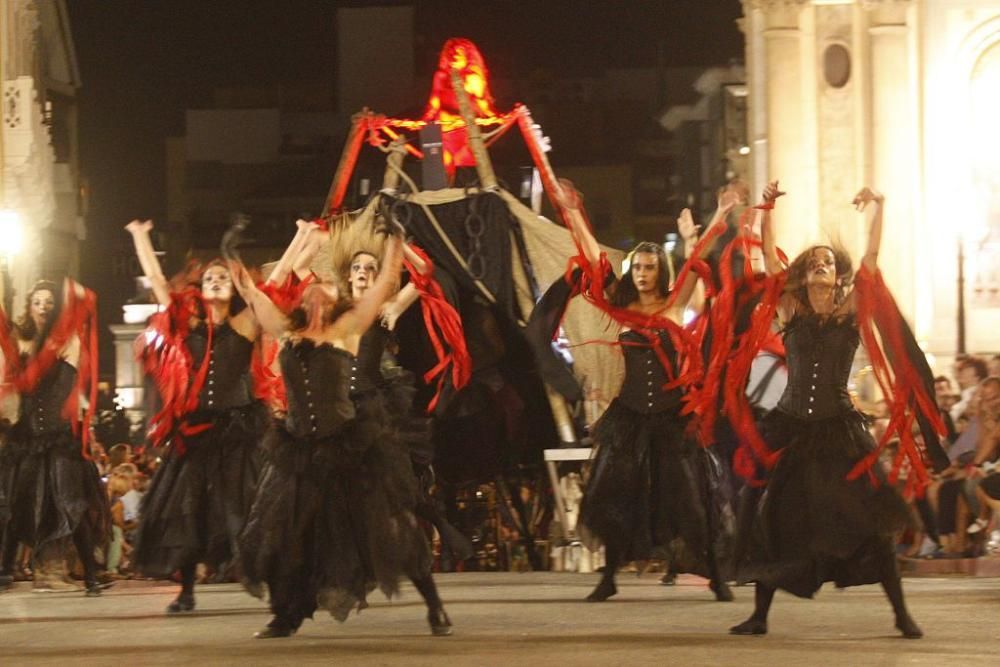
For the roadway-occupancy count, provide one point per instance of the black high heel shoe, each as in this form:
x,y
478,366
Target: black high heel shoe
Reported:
x,y
275,629
439,622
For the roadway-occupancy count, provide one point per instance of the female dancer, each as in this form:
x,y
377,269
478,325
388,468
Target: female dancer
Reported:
x,y
53,488
334,515
397,391
648,494
199,498
811,524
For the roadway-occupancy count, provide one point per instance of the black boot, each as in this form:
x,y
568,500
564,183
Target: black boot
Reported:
x,y
721,590
757,623
604,589
606,586
184,601
893,588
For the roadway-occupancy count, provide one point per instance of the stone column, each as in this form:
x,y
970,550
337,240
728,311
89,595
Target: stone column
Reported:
x,y
895,145
791,146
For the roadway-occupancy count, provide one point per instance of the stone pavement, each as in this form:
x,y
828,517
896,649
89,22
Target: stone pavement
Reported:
x,y
510,619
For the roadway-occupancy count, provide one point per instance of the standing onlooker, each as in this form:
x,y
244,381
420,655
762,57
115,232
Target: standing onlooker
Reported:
x,y
118,485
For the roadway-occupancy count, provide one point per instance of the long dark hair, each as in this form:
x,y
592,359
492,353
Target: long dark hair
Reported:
x,y
625,292
236,303
799,268
298,319
25,325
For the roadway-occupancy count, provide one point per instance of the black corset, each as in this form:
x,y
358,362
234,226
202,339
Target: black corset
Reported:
x,y
820,355
227,383
645,376
369,361
43,407
318,385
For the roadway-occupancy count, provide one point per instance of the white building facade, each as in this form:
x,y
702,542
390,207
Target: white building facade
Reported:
x,y
901,95
39,171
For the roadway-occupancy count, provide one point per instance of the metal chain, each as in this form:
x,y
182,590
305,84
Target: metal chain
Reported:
x,y
475,227
401,213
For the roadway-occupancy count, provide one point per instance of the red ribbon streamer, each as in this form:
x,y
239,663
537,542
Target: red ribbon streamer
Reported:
x,y
165,357
444,327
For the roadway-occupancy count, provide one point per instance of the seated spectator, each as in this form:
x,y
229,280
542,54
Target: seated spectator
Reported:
x,y
993,365
982,470
955,490
946,399
969,371
119,454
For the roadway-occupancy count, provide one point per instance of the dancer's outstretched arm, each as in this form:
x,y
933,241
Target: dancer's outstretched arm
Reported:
x,y
772,264
572,203
268,316
406,297
290,259
140,230
685,223
861,201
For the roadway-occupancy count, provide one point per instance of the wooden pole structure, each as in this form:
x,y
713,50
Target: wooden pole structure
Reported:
x,y
541,160
348,158
483,165
393,163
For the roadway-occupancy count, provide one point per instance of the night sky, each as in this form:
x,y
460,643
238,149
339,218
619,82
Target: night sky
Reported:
x,y
143,62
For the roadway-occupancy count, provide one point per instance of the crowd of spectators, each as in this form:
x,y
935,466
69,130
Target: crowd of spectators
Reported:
x,y
958,515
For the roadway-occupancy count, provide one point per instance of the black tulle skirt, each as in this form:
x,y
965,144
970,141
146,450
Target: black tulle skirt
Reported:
x,y
412,427
52,491
809,524
199,498
333,518
653,493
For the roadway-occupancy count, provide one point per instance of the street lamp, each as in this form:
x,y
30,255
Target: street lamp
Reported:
x,y
11,233
11,243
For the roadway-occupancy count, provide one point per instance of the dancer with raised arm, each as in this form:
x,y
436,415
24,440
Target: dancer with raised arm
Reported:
x,y
647,496
817,519
200,356
334,513
397,389
53,488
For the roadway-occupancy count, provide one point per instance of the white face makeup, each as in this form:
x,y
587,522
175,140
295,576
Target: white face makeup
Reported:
x,y
363,272
216,284
645,271
43,302
821,269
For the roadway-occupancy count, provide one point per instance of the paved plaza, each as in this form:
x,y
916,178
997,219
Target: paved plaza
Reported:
x,y
510,619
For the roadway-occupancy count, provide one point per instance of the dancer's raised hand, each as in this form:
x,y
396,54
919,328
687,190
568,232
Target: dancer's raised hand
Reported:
x,y
771,193
139,226
686,227
865,196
